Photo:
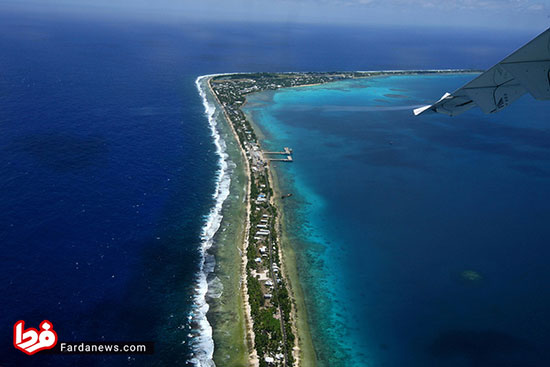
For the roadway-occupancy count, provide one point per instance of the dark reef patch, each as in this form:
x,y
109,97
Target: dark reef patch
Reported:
x,y
391,95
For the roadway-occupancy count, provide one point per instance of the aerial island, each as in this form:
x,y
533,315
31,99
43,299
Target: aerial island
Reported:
x,y
269,284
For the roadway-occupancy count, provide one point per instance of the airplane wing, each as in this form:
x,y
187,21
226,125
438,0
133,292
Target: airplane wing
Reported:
x,y
525,71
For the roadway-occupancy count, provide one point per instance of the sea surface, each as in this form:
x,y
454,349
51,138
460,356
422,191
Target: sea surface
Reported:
x,y
420,241
112,176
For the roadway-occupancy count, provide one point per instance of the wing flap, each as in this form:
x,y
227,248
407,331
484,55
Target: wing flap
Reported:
x,y
534,76
449,104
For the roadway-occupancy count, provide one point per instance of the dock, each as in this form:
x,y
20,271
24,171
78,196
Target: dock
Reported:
x,y
286,151
287,159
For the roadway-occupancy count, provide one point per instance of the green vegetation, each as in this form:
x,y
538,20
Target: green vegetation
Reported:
x,y
270,304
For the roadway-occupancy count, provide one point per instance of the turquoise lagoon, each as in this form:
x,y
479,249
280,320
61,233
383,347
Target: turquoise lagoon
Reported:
x,y
420,241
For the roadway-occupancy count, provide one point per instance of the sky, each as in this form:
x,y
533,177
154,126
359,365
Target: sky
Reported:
x,y
495,14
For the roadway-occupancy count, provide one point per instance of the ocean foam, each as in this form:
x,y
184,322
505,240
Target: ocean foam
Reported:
x,y
215,288
202,342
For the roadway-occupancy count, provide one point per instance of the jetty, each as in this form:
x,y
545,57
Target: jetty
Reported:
x,y
287,159
286,151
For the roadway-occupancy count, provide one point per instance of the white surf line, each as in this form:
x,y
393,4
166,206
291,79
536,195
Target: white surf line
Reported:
x,y
203,344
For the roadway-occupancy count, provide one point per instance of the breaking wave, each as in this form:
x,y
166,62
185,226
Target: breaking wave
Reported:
x,y
202,341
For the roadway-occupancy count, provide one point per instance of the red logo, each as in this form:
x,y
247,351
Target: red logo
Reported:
x,y
31,340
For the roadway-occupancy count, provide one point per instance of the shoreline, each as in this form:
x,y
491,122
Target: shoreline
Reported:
x,y
208,232
303,350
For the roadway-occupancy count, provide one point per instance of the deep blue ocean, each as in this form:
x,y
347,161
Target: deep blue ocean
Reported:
x,y
108,167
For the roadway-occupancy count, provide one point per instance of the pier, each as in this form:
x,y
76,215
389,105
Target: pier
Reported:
x,y
287,159
286,151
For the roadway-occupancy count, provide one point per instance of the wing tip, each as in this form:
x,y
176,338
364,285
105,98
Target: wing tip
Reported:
x,y
421,110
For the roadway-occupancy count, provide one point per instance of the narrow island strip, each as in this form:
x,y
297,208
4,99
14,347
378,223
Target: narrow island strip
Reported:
x,y
276,325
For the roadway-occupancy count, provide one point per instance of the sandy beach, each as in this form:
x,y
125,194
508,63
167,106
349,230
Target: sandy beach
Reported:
x,y
304,352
